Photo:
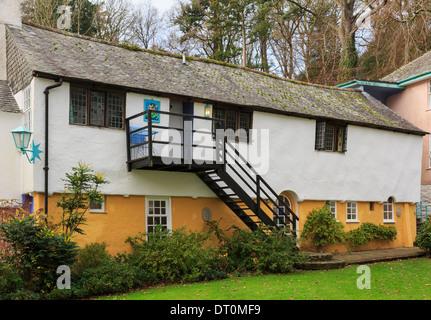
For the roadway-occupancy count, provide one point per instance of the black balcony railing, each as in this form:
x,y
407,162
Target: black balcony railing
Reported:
x,y
170,141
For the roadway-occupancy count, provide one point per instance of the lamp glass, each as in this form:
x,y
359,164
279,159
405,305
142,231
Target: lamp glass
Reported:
x,y
208,111
21,137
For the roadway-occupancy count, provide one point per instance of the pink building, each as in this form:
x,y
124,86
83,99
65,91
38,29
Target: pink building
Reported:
x,y
407,91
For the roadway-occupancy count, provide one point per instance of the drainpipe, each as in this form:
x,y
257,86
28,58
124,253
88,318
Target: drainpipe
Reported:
x,y
46,168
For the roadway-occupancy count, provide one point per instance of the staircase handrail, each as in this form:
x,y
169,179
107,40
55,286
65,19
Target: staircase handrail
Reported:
x,y
419,209
279,203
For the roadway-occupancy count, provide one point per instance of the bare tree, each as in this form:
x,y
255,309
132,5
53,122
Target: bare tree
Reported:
x,y
147,25
114,20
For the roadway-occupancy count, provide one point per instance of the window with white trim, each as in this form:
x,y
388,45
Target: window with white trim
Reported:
x,y
333,207
97,207
331,136
158,213
352,211
388,210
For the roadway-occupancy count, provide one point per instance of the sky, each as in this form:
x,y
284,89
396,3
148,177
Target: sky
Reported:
x,y
161,5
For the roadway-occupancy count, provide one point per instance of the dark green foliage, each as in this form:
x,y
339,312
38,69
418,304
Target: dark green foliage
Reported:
x,y
171,256
36,252
423,239
264,250
322,228
369,231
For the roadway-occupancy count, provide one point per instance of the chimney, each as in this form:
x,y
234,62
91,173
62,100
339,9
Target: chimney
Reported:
x,y
10,14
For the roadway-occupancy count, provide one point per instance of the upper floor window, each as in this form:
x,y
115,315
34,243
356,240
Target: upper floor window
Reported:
x,y
331,136
237,123
97,107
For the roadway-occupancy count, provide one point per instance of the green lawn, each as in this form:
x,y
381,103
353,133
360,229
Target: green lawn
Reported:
x,y
400,280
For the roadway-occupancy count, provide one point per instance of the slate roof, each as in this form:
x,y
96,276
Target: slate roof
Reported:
x,y
416,67
7,101
54,53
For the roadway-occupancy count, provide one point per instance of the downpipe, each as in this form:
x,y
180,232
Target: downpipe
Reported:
x,y
46,167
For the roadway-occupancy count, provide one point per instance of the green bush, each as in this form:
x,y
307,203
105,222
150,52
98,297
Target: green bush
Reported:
x,y
92,256
322,228
36,251
264,250
170,256
369,231
423,238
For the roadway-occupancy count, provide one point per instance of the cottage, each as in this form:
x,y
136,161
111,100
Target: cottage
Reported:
x,y
151,122
407,91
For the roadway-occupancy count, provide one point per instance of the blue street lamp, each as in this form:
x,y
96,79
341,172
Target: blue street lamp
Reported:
x,y
21,137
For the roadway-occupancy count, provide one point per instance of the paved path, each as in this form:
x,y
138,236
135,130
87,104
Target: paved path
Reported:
x,y
379,255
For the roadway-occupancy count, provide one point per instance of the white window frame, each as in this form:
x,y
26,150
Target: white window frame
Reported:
x,y
101,209
333,207
388,211
168,211
352,210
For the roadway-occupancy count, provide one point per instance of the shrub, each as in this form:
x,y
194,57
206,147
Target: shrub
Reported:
x,y
265,250
92,256
36,251
369,231
322,228
170,256
423,238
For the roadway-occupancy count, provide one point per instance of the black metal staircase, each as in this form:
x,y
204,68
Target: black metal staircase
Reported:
x,y
247,194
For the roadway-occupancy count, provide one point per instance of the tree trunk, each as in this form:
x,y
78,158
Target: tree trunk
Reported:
x,y
346,32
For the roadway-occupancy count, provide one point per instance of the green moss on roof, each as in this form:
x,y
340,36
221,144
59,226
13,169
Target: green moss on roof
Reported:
x,y
203,79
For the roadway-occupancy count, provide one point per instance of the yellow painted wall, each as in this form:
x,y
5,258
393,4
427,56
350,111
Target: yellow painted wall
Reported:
x,y
405,224
125,216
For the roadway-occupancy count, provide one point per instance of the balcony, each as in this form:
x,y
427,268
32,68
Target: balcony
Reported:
x,y
158,140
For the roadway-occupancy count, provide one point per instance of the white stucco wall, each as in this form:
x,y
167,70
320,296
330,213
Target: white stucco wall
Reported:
x,y
104,149
378,164
11,160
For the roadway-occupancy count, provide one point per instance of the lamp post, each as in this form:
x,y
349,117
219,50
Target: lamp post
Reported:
x,y
21,137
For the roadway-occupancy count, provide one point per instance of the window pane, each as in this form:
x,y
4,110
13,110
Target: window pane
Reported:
x,y
97,108
78,106
230,124
244,126
115,110
329,138
320,135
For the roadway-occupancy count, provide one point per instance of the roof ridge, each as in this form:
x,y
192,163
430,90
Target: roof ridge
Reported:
x,y
405,65
189,58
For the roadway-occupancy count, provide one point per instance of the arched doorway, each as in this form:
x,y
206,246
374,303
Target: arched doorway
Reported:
x,y
285,201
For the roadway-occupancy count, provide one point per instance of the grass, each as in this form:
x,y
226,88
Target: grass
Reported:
x,y
397,280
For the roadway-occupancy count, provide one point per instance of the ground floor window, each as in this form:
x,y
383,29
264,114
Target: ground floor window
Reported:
x,y
352,211
333,207
388,210
158,213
